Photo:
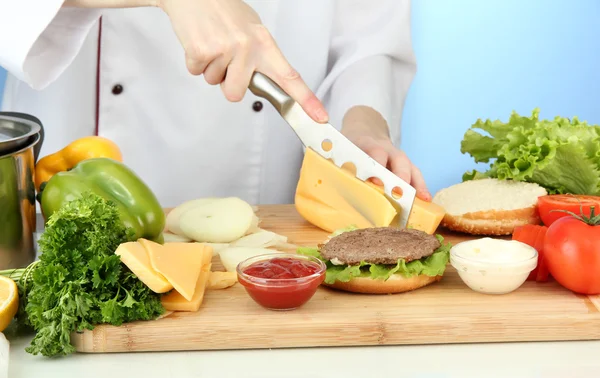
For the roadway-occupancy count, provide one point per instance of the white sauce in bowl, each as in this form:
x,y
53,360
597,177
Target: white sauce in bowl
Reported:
x,y
493,266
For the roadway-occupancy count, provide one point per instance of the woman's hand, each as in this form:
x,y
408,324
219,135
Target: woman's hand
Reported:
x,y
366,128
384,152
226,41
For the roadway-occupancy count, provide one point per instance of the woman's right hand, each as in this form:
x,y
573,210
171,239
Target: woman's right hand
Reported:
x,y
226,41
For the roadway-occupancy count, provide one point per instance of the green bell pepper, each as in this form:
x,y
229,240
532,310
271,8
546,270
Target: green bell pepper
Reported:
x,y
138,206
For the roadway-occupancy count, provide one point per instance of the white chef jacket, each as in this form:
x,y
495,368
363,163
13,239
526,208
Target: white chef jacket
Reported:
x,y
121,74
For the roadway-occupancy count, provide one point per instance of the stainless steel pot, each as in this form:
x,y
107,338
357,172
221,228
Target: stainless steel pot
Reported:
x,y
16,131
17,195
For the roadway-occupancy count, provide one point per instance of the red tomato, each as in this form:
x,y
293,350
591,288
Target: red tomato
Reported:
x,y
542,270
569,202
534,235
572,253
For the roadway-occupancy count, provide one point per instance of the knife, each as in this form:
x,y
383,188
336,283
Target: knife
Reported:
x,y
328,142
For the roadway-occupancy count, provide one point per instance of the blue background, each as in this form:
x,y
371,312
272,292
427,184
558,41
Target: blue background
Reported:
x,y
483,59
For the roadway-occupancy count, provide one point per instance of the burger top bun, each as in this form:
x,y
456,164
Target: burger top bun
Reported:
x,y
489,206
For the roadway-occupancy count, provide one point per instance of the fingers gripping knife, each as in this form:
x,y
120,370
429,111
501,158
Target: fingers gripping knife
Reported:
x,y
325,140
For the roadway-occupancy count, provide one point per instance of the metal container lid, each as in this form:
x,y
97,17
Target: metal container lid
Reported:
x,y
16,132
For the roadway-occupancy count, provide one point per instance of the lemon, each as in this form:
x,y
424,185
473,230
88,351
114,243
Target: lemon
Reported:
x,y
9,301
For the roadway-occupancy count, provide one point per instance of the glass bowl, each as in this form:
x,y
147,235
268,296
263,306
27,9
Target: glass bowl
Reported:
x,y
265,279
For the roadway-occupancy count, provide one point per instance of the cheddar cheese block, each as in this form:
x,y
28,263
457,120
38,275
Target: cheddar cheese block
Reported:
x,y
425,216
179,263
135,257
332,198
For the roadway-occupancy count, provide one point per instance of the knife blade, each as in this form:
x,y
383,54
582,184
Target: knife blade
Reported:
x,y
331,144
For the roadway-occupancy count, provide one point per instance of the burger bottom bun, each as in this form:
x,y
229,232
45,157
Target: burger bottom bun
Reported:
x,y
395,284
491,222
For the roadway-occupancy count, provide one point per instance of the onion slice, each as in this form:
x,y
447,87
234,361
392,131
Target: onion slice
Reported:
x,y
232,256
173,218
261,238
219,221
217,247
174,238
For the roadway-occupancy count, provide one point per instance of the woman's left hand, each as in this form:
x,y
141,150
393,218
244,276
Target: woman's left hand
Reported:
x,y
367,129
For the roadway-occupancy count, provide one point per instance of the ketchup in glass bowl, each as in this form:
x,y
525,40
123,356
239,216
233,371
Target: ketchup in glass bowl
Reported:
x,y
281,281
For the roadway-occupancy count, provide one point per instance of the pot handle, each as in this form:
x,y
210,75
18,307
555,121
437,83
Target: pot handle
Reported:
x,y
30,118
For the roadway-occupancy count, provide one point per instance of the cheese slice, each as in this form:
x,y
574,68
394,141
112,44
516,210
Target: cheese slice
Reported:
x,y
176,302
332,198
179,263
135,257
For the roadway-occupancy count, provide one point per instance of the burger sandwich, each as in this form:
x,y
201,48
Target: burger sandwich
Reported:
x,y
381,260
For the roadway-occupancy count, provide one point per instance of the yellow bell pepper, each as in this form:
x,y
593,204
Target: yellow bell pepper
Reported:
x,y
81,149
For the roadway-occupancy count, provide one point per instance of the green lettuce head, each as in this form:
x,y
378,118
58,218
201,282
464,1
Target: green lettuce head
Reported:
x,y
561,155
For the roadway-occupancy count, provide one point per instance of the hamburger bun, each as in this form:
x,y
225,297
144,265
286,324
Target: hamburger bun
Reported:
x,y
489,206
393,285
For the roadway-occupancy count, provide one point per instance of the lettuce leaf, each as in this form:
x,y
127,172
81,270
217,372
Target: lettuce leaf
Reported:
x,y
432,265
343,273
562,155
342,230
310,251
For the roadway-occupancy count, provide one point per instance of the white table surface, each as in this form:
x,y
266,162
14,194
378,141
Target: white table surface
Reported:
x,y
527,360
567,359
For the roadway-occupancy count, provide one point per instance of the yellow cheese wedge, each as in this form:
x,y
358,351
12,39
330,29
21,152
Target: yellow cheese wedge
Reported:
x,y
425,216
135,257
179,263
332,198
176,302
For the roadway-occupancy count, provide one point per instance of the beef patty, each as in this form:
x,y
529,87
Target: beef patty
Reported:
x,y
380,245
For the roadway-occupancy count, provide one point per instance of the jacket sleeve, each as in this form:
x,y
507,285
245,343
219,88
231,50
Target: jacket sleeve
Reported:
x,y
39,38
371,60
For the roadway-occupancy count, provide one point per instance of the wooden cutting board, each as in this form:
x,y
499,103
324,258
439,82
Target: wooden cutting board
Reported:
x,y
445,312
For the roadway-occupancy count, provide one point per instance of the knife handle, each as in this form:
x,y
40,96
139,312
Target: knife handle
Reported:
x,y
266,88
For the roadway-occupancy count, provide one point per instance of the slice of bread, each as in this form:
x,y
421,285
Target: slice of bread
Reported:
x,y
489,206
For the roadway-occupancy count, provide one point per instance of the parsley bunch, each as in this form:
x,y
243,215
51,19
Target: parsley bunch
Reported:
x,y
79,282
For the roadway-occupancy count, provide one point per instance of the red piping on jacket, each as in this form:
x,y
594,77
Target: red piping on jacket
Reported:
x,y
98,76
